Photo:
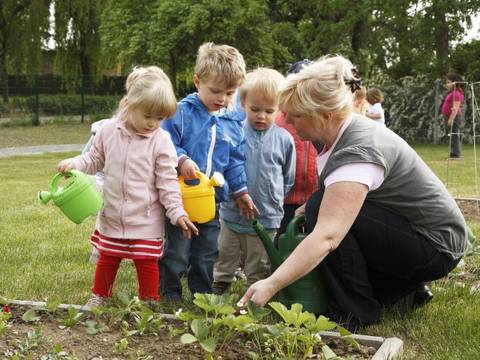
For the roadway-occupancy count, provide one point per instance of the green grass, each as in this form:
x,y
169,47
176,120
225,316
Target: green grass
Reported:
x,y
44,256
457,175
45,134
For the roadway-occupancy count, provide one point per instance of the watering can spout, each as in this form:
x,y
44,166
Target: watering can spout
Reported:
x,y
44,197
273,255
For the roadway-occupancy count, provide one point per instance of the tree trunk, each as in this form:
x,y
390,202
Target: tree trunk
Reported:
x,y
360,39
441,39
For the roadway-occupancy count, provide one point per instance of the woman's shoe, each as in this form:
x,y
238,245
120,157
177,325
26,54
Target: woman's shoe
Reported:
x,y
422,295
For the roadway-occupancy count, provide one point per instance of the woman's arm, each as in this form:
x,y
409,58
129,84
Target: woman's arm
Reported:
x,y
340,206
455,109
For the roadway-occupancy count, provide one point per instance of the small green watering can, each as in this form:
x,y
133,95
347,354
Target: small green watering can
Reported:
x,y
78,199
310,290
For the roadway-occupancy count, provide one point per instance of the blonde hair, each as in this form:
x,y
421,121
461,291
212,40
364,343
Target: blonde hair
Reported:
x,y
220,62
263,81
324,86
149,89
374,95
360,94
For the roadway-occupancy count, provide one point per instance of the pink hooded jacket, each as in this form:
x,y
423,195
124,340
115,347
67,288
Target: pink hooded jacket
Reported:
x,y
140,181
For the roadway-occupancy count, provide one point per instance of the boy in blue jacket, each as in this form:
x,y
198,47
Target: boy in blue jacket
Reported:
x,y
270,168
208,136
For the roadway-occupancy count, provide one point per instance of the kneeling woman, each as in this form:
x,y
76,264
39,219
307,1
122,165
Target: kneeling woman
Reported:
x,y
381,224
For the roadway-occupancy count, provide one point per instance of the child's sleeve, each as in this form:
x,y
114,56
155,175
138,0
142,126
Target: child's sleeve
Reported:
x,y
166,182
289,165
234,173
175,127
94,159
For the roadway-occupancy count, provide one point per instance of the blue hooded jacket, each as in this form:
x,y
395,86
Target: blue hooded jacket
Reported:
x,y
213,142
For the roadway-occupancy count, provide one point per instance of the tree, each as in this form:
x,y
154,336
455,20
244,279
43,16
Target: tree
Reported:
x,y
77,38
23,29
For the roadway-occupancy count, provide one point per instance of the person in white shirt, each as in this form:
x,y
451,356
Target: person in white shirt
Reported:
x,y
375,112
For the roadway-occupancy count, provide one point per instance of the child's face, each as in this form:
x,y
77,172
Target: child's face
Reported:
x,y
142,123
260,111
213,93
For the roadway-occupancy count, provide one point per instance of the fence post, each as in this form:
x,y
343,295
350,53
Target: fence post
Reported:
x,y
82,96
36,120
437,108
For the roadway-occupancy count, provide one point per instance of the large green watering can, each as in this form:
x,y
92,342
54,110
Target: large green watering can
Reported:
x,y
78,199
310,290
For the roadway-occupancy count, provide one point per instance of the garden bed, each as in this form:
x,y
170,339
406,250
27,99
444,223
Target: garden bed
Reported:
x,y
43,333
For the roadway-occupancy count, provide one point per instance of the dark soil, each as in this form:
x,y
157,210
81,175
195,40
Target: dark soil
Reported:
x,y
75,341
470,209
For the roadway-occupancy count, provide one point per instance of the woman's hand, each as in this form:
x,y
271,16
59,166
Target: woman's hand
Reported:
x,y
65,166
189,169
260,292
187,226
247,207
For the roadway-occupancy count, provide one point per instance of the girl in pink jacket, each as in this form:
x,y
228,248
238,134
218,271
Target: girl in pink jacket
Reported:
x,y
141,187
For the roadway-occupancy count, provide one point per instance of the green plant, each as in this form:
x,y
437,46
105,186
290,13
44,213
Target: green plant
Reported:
x,y
58,354
73,318
34,339
4,317
120,346
31,316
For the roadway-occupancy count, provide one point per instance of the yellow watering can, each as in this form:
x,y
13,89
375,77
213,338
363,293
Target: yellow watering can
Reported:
x,y
199,199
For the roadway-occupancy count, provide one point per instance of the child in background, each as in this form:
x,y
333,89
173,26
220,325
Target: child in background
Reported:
x,y
95,255
375,111
306,166
360,103
138,160
270,167
208,137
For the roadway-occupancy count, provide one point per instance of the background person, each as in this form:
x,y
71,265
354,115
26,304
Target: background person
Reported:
x,y
375,111
381,223
452,112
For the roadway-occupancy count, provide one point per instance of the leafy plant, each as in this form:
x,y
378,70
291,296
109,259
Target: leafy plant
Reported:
x,y
121,346
73,318
34,339
4,317
31,316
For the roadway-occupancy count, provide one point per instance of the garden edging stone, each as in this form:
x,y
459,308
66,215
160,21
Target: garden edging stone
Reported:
x,y
387,348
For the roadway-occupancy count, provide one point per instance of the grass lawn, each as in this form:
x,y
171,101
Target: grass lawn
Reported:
x,y
44,256
45,134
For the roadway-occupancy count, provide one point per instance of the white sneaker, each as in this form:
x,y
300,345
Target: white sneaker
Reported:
x,y
96,301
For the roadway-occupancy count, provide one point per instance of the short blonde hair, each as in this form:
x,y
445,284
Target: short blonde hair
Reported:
x,y
149,89
263,81
360,93
220,62
374,95
319,88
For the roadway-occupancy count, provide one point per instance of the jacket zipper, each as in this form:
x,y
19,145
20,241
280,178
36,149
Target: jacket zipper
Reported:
x,y
123,188
208,170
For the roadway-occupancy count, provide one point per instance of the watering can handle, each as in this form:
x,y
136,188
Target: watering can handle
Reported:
x,y
200,176
57,178
294,226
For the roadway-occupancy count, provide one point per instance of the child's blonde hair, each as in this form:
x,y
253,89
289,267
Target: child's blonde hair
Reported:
x,y
360,93
223,63
374,95
263,81
324,86
149,89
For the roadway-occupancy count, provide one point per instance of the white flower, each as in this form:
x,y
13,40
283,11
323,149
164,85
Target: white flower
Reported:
x,y
243,312
178,312
240,303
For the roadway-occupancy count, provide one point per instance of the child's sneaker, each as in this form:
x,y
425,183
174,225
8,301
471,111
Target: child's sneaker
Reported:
x,y
220,287
96,301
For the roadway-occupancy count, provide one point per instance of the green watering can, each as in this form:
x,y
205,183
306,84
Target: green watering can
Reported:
x,y
78,199
310,290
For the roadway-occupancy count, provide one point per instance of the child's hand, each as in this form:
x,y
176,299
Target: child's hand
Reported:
x,y
300,210
188,169
247,207
65,166
187,226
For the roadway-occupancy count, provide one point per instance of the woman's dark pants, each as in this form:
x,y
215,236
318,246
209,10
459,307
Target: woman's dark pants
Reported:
x,y
380,261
